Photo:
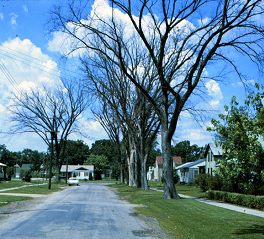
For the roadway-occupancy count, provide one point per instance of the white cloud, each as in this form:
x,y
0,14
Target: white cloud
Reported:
x,y
204,21
25,9
214,91
27,68
1,16
250,83
13,18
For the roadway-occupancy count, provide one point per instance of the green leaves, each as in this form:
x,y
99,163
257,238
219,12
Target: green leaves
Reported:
x,y
240,133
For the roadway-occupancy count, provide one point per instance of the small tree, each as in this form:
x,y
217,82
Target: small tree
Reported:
x,y
10,172
240,132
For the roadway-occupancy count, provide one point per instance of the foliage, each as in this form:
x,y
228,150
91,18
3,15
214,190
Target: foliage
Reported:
x,y
10,172
176,177
240,132
250,201
25,175
76,151
107,148
188,152
100,163
201,181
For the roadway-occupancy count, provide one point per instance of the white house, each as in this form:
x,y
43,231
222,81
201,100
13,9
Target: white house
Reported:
x,y
79,171
155,172
212,155
188,171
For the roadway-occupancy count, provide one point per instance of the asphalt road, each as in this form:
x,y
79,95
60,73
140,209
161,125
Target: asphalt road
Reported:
x,y
87,211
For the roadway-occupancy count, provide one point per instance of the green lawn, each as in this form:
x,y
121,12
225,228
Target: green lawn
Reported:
x,y
187,218
5,199
181,189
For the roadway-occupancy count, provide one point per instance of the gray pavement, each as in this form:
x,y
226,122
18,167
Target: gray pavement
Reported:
x,y
91,210
245,210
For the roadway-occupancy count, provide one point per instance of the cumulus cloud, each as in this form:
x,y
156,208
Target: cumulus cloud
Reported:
x,y
214,91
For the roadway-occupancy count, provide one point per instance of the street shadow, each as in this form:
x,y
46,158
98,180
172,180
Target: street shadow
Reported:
x,y
254,229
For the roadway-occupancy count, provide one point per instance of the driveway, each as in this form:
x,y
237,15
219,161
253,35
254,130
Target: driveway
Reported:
x,y
88,211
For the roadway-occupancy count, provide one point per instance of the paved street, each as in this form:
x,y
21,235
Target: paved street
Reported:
x,y
87,211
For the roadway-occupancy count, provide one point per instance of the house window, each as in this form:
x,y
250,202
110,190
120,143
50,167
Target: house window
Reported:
x,y
195,173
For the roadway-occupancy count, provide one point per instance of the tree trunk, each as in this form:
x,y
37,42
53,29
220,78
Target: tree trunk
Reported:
x,y
169,187
144,181
130,162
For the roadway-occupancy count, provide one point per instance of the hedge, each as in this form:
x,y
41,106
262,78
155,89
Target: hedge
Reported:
x,y
250,201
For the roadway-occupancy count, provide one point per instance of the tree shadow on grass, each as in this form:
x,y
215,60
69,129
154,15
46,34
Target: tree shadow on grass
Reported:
x,y
254,229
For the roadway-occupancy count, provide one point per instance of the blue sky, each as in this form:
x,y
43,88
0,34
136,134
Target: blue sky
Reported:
x,y
32,57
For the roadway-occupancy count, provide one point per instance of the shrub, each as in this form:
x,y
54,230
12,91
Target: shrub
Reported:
x,y
201,181
250,201
90,176
25,175
10,172
215,182
176,177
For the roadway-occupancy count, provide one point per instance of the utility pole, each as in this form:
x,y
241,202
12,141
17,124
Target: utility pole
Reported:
x,y
52,134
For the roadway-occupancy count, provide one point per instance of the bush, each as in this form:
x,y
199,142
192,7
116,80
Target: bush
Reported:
x,y
10,172
250,201
201,181
25,175
215,182
176,177
90,176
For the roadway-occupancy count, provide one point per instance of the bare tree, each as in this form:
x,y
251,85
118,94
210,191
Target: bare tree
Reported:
x,y
128,109
46,111
180,49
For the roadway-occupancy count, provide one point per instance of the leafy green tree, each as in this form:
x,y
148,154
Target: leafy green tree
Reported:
x,y
100,163
10,172
77,152
188,152
107,148
240,133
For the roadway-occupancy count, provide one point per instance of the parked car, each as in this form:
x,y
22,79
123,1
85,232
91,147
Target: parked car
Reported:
x,y
73,181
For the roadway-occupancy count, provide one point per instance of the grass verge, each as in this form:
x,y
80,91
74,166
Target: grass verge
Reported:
x,y
39,188
181,189
187,218
6,199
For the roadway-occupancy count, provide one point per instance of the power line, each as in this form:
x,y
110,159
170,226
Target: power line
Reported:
x,y
9,54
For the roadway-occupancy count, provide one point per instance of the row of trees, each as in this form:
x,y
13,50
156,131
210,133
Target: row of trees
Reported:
x,y
146,61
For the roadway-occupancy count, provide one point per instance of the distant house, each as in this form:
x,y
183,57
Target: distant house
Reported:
x,y
155,172
26,167
212,155
188,171
2,171
79,171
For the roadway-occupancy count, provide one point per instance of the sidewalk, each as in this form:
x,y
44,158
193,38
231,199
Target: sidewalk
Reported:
x,y
245,210
30,185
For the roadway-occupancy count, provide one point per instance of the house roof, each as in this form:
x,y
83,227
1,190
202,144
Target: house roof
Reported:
x,y
217,151
177,159
2,165
191,164
72,168
26,166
